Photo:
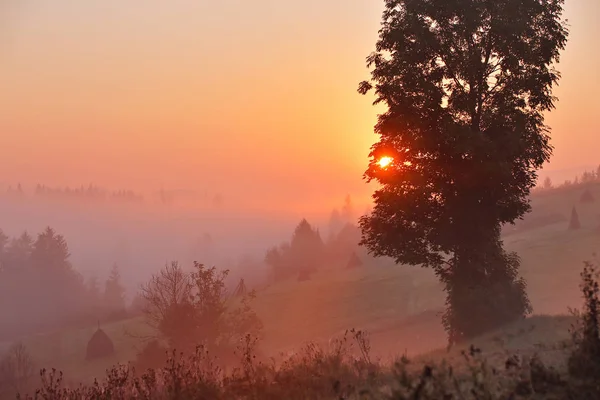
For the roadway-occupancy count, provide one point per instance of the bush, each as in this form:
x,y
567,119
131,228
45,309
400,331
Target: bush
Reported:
x,y
313,373
16,370
584,362
345,370
192,309
153,355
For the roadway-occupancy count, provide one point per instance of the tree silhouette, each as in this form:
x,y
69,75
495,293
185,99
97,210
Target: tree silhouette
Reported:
x,y
94,296
114,293
466,84
306,247
275,258
342,244
50,252
191,308
3,243
303,254
574,223
18,251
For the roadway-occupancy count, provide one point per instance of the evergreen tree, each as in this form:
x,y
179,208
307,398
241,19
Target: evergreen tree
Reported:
x,y
18,252
94,295
114,292
275,258
51,252
466,84
3,243
306,247
344,243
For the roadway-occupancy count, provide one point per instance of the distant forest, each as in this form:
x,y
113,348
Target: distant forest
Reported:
x,y
585,178
95,194
41,290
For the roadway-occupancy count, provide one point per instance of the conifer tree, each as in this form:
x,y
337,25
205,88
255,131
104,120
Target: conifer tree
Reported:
x,y
114,292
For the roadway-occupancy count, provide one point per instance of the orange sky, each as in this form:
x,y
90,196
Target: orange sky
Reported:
x,y
235,96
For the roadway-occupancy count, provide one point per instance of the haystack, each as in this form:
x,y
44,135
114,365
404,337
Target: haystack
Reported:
x,y
99,346
354,261
587,197
574,222
240,290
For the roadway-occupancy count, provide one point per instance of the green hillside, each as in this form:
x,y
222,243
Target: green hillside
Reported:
x,y
398,306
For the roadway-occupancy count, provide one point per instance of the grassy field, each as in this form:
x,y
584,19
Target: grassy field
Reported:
x,y
398,306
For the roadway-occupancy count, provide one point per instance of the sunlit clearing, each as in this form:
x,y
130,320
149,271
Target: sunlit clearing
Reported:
x,y
385,161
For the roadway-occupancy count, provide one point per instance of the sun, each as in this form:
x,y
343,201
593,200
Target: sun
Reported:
x,y
385,161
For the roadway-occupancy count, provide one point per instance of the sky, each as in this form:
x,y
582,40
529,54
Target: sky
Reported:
x,y
252,99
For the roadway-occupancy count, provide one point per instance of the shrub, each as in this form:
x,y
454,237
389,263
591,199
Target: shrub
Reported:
x,y
192,309
153,355
345,370
16,369
584,362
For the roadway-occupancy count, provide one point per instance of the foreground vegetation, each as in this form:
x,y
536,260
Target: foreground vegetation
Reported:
x,y
346,369
373,297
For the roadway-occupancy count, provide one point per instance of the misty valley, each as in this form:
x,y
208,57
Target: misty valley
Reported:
x,y
384,200
309,286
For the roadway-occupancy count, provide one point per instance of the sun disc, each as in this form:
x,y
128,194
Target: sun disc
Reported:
x,y
385,161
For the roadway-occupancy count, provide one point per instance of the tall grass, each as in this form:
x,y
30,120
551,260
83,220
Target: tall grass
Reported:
x,y
345,369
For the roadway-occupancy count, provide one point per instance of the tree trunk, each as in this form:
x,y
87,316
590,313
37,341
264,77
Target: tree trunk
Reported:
x,y
483,288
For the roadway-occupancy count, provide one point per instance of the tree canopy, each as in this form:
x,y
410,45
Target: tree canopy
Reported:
x,y
466,84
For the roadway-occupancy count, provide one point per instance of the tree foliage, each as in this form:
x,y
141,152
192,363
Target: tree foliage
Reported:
x,y
193,308
304,252
16,370
114,292
466,84
39,287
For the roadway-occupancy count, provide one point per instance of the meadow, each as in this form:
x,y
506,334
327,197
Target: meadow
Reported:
x,y
398,306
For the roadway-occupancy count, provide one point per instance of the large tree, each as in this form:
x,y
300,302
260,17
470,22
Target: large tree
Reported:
x,y
50,251
466,84
193,308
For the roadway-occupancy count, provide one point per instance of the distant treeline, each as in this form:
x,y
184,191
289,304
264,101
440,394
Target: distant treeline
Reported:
x,y
89,193
94,194
307,251
586,178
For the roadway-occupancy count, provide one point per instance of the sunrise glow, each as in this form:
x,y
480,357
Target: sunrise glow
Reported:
x,y
385,162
